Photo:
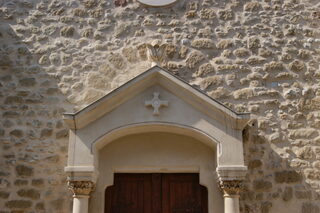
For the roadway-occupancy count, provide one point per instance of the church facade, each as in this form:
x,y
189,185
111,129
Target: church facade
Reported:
x,y
159,106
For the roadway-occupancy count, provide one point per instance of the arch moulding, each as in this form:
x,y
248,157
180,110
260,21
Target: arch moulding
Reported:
x,y
155,101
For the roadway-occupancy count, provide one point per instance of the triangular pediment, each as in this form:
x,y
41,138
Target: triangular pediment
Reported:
x,y
157,76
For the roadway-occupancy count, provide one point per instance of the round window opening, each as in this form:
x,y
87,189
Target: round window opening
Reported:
x,y
157,3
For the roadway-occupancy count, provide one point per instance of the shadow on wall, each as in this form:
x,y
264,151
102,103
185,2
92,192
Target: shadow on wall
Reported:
x,y
275,182
33,137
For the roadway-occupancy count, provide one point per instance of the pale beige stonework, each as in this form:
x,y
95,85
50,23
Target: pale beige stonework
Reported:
x,y
260,57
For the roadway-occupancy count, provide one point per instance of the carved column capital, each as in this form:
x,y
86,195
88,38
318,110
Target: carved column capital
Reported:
x,y
81,187
231,187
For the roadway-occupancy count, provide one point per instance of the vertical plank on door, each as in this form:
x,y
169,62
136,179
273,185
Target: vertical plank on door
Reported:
x,y
131,193
182,193
156,193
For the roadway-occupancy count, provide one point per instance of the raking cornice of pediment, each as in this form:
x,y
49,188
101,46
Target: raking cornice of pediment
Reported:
x,y
157,76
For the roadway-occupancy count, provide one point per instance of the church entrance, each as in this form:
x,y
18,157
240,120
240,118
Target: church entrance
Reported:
x,y
156,193
156,139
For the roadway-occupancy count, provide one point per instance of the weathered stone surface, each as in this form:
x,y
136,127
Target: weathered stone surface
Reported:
x,y
302,194
310,208
254,60
57,204
92,95
220,92
17,133
287,177
5,60
117,61
273,66
265,207
20,182
4,194
207,13
29,193
241,52
67,31
40,206
46,133
37,182
205,69
24,171
212,80
275,137
121,29
261,185
53,159
13,100
62,134
305,153
131,54
297,66
225,14
203,44
253,43
303,133
312,174
287,194
44,60
298,163
256,56
243,93
194,59
224,44
255,164
252,6
18,204
28,82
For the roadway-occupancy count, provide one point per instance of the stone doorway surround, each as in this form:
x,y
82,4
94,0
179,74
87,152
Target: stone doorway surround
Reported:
x,y
155,101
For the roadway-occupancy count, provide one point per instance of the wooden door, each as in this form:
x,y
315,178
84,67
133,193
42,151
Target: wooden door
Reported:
x,y
156,193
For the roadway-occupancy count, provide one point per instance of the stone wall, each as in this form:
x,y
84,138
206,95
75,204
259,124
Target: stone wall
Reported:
x,y
256,56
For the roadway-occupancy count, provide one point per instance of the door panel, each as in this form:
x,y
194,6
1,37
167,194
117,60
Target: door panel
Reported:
x,y
131,193
182,193
156,193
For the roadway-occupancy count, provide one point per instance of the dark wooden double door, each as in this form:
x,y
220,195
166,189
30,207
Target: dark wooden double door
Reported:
x,y
156,193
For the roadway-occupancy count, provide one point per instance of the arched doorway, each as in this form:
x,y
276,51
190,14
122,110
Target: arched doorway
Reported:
x,y
155,105
173,158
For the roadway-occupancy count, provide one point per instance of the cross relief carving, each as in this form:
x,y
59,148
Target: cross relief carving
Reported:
x,y
156,103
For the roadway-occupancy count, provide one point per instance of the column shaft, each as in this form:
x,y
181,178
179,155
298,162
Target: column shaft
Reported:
x,y
231,204
80,204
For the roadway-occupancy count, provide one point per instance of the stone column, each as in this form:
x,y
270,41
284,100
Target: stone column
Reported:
x,y
231,193
81,193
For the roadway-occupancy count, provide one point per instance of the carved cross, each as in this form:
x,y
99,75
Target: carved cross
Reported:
x,y
156,103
